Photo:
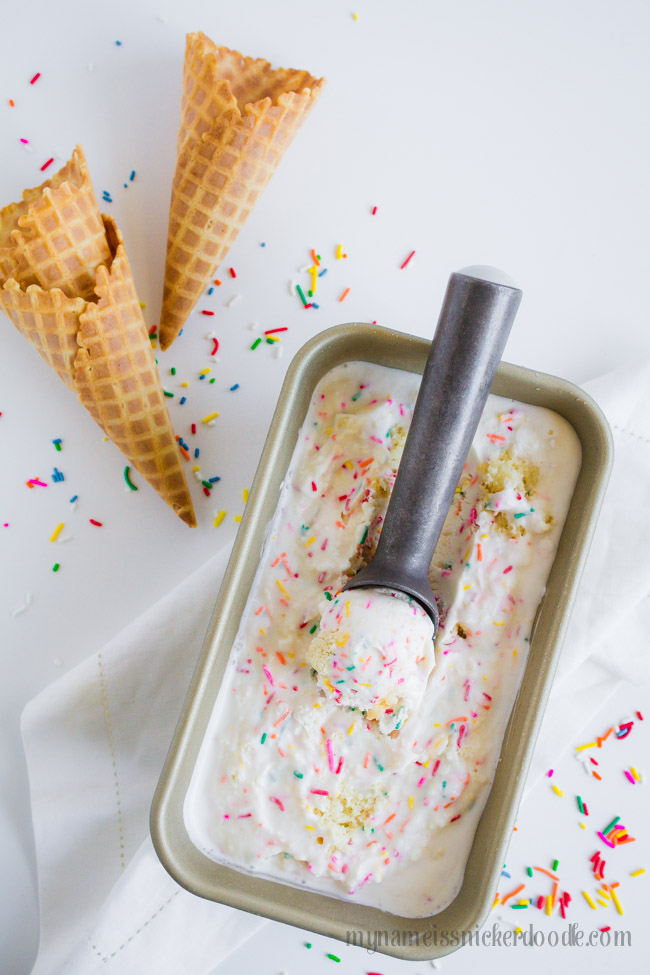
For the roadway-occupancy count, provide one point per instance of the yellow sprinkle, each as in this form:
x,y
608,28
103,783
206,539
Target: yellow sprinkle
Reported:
x,y
549,905
204,372
57,532
468,586
328,685
497,899
589,900
425,764
558,792
339,252
341,643
282,589
245,494
142,304
309,827
580,748
210,416
355,16
600,901
410,802
316,705
310,542
347,607
262,631
604,893
195,468
219,518
635,773
314,279
524,901
514,653
351,728
582,825
272,338
637,873
518,930
237,517
464,559
617,902
184,384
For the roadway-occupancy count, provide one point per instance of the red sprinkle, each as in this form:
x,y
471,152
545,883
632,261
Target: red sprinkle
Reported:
x,y
232,272
216,347
48,163
272,331
206,492
207,312
35,78
193,428
97,523
319,792
277,802
373,211
407,260
313,486
152,330
507,570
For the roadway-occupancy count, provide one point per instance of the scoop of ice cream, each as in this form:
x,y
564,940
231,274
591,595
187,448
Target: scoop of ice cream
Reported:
x,y
374,651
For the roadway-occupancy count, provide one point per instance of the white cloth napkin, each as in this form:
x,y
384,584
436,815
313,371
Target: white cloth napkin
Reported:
x,y
96,739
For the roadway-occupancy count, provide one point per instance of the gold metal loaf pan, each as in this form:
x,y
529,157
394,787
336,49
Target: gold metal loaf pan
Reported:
x,y
319,912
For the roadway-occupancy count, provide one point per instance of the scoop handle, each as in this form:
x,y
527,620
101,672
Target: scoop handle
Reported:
x,y
472,331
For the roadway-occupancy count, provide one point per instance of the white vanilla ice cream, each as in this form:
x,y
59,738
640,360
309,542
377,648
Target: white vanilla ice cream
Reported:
x,y
291,785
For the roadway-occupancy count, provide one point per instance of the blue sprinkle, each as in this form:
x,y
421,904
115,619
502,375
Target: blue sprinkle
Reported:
x,y
132,176
57,475
196,452
118,43
182,400
72,500
210,290
321,273
213,480
233,388
202,377
263,244
314,305
126,186
504,873
181,332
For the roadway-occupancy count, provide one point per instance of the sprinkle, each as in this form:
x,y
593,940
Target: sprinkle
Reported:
x,y
330,755
611,825
233,273
233,301
637,873
277,802
272,331
334,957
98,524
589,900
257,342
580,805
210,417
555,864
373,211
339,252
282,589
319,792
629,777
35,78
132,176
57,532
512,893
73,499
617,903
263,739
605,840
345,294
219,518
402,266
167,393
46,164
215,348
634,772
302,295
56,567
558,792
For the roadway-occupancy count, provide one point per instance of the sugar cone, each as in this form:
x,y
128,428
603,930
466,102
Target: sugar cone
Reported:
x,y
238,116
98,346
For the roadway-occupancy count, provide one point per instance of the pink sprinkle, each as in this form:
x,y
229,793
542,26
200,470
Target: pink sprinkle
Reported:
x,y
35,78
277,802
460,734
377,439
330,755
605,840
244,816
25,142
364,881
421,782
319,792
269,676
550,773
340,765
507,570
435,768
630,777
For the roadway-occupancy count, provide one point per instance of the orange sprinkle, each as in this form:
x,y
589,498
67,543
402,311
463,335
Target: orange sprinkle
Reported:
x,y
364,463
366,760
547,872
217,282
597,776
512,893
314,258
345,294
280,657
392,816
479,552
554,894
281,719
12,103
183,451
495,437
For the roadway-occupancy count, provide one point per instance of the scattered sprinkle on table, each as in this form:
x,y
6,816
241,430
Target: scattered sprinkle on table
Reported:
x,y
56,567
98,524
127,478
57,531
47,163
35,78
219,518
345,294
210,417
402,266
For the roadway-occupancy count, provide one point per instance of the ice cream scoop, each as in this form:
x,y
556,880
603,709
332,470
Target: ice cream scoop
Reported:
x,y
476,317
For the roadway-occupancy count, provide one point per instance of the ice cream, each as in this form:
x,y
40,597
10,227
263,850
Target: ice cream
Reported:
x,y
291,785
374,651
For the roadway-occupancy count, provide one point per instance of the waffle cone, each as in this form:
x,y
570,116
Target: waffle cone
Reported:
x,y
238,116
100,347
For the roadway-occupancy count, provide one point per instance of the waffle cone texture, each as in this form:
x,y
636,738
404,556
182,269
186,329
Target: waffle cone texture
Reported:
x,y
238,116
66,284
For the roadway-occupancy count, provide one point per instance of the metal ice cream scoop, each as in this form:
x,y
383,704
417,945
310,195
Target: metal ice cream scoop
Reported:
x,y
474,324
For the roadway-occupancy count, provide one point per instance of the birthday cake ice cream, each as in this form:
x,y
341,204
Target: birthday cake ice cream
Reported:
x,y
298,780
374,651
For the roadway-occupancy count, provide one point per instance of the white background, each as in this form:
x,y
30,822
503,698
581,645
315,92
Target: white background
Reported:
x,y
510,132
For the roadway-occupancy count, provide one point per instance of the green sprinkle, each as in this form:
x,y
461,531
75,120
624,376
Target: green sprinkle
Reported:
x,y
318,257
521,514
308,944
341,681
380,767
211,381
364,536
519,907
613,823
128,479
356,397
173,370
263,739
257,342
167,393
207,485
555,864
302,294
580,805
270,341
351,667
328,596
56,567
314,628
310,293
530,871
299,775
334,957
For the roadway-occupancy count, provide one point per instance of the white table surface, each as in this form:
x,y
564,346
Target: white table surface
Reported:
x,y
509,132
